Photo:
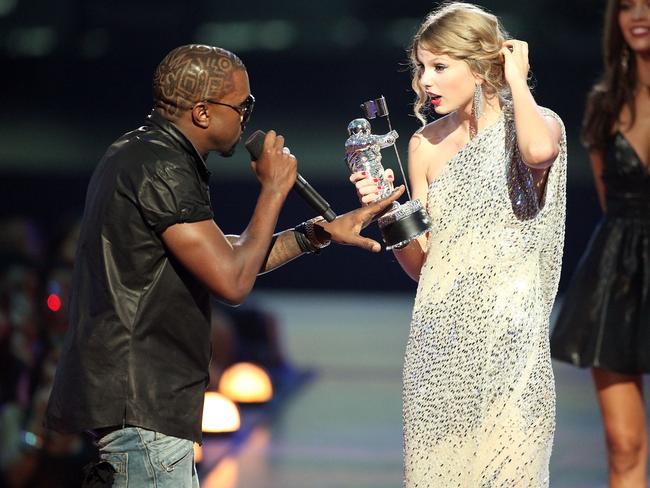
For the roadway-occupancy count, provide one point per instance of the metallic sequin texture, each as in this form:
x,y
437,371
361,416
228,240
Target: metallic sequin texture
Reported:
x,y
479,398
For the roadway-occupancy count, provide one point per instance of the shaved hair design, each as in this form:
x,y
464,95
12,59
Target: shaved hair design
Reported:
x,y
192,73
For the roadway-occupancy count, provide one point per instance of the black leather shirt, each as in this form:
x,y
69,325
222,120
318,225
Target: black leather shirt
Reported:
x,y
138,346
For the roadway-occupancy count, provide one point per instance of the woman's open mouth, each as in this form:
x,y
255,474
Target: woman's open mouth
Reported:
x,y
435,99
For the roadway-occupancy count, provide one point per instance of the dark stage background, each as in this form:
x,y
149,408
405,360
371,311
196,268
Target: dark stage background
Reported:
x,y
77,74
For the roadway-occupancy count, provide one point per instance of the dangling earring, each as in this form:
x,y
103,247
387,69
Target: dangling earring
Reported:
x,y
477,106
477,110
625,59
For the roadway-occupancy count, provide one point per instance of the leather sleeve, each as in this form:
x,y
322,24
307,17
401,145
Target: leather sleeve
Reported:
x,y
172,193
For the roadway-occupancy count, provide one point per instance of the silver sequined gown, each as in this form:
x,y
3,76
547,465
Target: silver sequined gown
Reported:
x,y
479,397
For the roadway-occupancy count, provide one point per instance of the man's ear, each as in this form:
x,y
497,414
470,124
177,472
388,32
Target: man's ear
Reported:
x,y
201,115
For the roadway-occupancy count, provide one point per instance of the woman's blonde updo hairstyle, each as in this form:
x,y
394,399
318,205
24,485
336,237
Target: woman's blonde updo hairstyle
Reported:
x,y
466,32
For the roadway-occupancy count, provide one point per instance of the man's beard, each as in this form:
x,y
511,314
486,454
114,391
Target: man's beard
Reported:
x,y
231,151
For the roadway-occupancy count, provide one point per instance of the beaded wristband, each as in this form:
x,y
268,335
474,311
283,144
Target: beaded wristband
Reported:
x,y
311,233
306,236
301,239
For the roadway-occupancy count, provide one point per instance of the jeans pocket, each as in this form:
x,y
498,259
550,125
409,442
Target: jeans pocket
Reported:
x,y
170,452
119,461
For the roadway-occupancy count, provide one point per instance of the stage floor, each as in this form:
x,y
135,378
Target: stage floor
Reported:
x,y
343,429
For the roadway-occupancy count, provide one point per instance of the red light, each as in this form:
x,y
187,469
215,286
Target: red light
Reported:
x,y
54,302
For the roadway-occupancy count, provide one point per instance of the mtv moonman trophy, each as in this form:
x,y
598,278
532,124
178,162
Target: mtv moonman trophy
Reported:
x,y
401,223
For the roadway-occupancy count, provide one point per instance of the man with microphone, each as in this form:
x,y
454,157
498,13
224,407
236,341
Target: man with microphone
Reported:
x,y
134,365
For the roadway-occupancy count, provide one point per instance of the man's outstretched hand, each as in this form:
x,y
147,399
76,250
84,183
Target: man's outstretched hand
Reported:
x,y
346,228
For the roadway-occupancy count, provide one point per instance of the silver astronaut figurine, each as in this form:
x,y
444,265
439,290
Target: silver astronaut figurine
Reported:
x,y
401,223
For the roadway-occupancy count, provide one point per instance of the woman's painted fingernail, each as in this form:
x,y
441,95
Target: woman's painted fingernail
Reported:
x,y
363,173
375,180
378,187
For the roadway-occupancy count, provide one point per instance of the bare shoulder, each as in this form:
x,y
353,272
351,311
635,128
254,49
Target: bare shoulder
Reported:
x,y
434,132
428,140
432,146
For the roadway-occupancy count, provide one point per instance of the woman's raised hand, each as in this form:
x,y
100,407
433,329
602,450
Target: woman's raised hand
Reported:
x,y
515,58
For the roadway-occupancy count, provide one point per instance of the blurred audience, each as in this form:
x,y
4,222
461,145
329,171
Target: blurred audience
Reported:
x,y
35,284
33,318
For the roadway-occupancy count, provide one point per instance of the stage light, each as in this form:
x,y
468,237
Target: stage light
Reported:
x,y
32,440
54,302
198,453
246,383
220,414
224,475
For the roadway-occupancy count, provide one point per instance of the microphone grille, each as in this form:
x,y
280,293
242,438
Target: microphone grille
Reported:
x,y
255,143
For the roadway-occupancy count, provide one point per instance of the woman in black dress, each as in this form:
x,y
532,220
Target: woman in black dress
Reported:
x,y
604,322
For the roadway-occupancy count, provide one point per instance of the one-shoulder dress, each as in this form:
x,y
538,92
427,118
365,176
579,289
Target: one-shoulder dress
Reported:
x,y
478,392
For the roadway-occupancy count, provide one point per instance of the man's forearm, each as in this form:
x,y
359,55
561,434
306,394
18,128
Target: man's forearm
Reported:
x,y
252,245
285,248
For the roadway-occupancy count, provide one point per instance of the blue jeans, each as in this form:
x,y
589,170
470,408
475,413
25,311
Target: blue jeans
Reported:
x,y
146,459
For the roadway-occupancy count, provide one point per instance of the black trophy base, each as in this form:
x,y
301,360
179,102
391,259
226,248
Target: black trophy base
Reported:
x,y
403,224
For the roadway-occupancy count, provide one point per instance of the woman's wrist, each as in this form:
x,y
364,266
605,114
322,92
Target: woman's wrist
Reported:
x,y
519,86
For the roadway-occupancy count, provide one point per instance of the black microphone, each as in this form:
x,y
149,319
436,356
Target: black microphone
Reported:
x,y
254,145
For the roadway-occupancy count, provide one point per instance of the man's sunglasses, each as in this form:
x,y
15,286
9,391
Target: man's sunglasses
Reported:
x,y
244,110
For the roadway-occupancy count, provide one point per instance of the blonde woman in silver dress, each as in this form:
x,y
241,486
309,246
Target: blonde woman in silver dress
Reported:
x,y
478,392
